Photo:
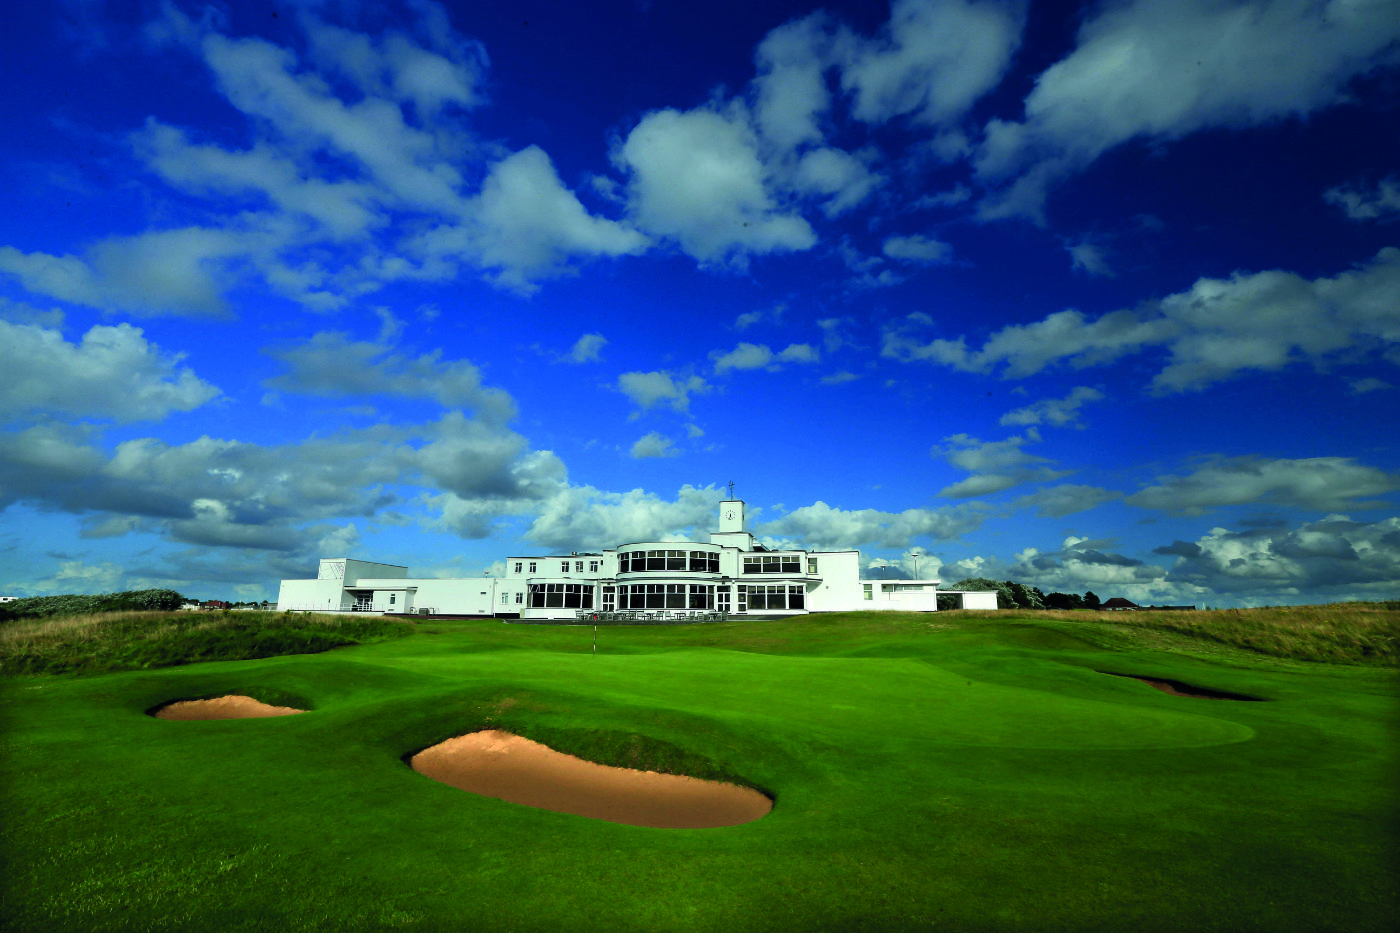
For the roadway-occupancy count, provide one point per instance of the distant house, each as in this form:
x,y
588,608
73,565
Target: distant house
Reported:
x,y
8,599
1118,603
214,604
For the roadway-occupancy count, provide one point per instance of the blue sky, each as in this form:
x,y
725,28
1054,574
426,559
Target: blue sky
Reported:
x,y
1095,298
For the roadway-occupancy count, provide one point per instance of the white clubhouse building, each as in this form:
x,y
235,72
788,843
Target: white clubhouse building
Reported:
x,y
646,580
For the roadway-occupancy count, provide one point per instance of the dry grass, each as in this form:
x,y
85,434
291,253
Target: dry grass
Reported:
x,y
1339,633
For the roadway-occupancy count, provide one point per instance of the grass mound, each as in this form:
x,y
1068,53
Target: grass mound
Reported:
x,y
1340,633
120,641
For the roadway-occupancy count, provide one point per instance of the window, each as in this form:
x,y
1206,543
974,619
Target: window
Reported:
x,y
773,563
624,562
505,598
868,594
532,566
652,596
704,562
519,598
517,566
561,596
563,566
776,597
392,598
592,566
701,596
743,596
609,598
722,599
811,566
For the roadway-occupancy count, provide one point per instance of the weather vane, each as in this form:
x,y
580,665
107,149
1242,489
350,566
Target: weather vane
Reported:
x,y
731,489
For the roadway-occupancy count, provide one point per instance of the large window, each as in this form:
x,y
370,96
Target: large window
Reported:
x,y
776,597
773,563
652,561
561,596
665,596
609,598
722,597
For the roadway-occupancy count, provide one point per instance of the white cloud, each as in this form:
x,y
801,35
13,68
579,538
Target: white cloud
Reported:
x,y
1318,483
588,348
790,88
839,378
934,61
1214,331
1359,203
995,465
1369,384
1165,70
652,445
837,175
331,365
918,249
528,226
650,389
1336,556
1059,412
1090,258
760,356
1066,499
821,526
585,518
113,372
696,177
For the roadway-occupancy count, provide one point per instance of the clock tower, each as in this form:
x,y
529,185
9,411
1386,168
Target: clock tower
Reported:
x,y
731,515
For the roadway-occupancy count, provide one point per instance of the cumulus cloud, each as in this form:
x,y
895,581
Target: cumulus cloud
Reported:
x,y
934,60
696,177
836,176
790,88
649,389
821,526
1337,557
1090,258
585,518
760,356
1058,412
919,249
237,494
1318,483
652,445
526,225
1081,565
1066,499
588,348
331,365
1364,203
112,372
1162,71
1215,330
995,465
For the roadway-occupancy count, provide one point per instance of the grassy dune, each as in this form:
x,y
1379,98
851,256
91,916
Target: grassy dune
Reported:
x,y
952,772
116,641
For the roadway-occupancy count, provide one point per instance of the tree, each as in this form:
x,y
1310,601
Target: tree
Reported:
x,y
1091,601
1004,598
1026,597
1064,601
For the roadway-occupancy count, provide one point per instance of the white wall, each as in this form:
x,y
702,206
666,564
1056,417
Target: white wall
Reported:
x,y
311,596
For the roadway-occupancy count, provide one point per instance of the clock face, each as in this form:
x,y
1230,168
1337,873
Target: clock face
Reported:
x,y
729,515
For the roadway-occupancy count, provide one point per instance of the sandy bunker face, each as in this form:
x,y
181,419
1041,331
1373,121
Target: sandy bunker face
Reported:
x,y
229,707
506,766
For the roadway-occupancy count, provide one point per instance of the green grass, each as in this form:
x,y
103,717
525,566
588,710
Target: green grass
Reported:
x,y
949,772
120,641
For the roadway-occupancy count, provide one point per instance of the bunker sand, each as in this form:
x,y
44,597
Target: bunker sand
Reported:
x,y
229,707
515,769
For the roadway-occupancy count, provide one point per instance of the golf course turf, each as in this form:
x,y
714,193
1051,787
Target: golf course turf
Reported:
x,y
951,772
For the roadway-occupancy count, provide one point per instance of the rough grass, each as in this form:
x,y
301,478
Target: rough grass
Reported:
x,y
119,641
1340,633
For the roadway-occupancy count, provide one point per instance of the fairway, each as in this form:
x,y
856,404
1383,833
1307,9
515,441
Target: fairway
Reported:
x,y
946,773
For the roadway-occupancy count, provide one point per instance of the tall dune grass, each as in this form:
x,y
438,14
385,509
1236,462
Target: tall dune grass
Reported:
x,y
1337,633
116,641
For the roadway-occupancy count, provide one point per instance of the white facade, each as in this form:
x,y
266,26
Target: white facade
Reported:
x,y
730,573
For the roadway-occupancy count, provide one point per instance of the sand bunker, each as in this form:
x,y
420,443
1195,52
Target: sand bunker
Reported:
x,y
1178,689
229,707
506,766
